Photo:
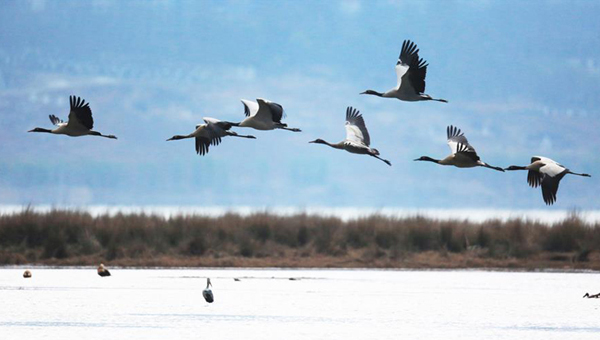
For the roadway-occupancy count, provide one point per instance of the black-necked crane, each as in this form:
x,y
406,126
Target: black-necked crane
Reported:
x,y
263,115
207,293
27,274
102,271
80,121
357,137
210,133
546,173
410,71
463,154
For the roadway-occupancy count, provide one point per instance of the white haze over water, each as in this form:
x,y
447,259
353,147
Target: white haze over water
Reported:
x,y
344,213
265,304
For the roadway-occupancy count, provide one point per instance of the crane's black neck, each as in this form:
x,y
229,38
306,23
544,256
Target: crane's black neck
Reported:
x,y
320,141
428,159
515,167
40,130
375,93
178,137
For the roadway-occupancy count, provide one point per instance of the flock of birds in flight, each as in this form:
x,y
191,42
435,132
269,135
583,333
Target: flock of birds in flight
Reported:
x,y
267,115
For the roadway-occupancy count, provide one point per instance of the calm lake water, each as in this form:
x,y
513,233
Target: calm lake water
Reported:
x,y
318,304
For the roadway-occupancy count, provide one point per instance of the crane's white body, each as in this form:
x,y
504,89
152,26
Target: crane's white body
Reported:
x,y
410,77
547,173
263,115
357,139
545,166
73,130
210,133
462,155
80,121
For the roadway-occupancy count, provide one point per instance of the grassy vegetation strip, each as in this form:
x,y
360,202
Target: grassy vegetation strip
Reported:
x,y
62,237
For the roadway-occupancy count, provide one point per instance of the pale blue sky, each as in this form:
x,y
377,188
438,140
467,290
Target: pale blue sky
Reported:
x,y
522,78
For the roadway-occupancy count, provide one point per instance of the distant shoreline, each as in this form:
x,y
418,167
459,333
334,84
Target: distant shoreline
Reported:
x,y
264,240
546,215
338,263
426,269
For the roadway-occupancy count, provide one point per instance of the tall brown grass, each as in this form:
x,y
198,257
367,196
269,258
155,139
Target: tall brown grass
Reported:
x,y
75,237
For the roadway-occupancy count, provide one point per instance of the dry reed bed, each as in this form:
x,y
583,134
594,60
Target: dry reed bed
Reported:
x,y
62,237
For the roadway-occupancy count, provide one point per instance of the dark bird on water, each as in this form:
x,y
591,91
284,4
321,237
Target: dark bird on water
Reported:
x,y
27,274
207,293
594,296
102,271
80,121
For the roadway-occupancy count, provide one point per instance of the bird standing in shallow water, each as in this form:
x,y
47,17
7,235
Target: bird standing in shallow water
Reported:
x,y
463,154
546,173
102,271
80,121
357,137
410,71
207,293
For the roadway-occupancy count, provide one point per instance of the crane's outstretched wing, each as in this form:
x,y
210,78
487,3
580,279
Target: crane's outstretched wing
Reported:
x,y
206,137
550,188
356,130
80,116
410,69
456,137
55,120
534,178
250,107
268,110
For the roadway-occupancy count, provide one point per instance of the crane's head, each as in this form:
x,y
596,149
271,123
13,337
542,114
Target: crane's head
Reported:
x,y
177,137
374,93
426,158
318,141
40,130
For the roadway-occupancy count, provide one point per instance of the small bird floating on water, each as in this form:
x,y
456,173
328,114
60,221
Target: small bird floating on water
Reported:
x,y
207,293
102,271
594,296
27,274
